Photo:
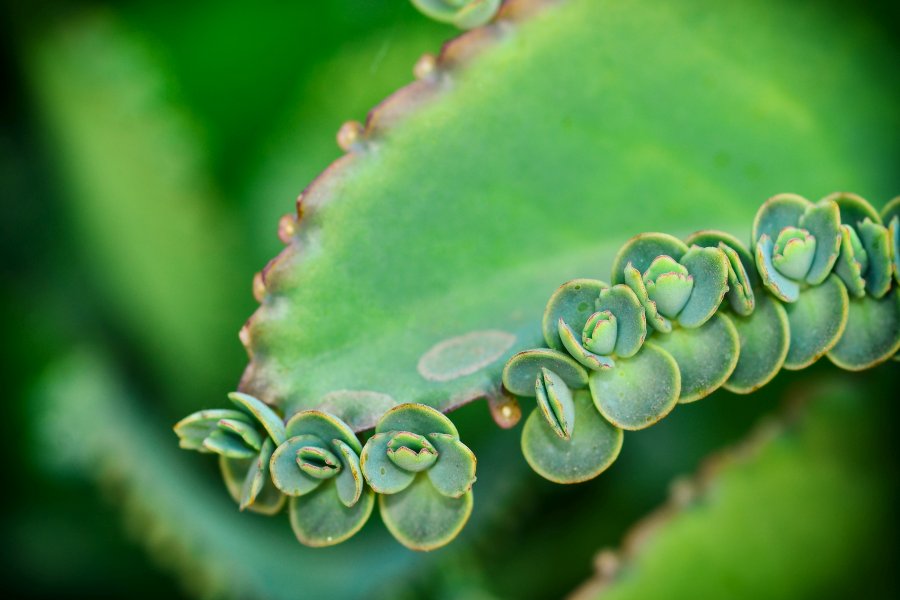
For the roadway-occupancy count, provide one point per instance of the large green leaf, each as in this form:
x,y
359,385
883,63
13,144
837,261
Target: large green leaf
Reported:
x,y
422,260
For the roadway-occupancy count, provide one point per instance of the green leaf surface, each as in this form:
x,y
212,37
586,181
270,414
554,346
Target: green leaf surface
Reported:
x,y
705,156
257,477
764,337
320,518
322,425
383,475
706,355
641,250
454,472
523,369
817,320
709,268
872,334
631,321
593,447
640,391
573,302
286,473
554,400
421,518
266,417
235,473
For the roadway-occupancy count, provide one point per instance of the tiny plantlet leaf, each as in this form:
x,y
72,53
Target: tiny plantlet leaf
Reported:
x,y
631,322
554,399
523,368
816,321
573,303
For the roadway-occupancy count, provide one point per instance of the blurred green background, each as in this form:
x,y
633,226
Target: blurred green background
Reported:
x,y
147,150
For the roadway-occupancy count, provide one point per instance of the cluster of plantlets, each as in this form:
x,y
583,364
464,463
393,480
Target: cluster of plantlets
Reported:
x,y
415,462
819,279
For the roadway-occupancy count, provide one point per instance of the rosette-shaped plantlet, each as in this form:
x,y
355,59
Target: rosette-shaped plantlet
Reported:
x,y
465,14
681,288
760,320
423,474
796,244
318,466
866,266
244,439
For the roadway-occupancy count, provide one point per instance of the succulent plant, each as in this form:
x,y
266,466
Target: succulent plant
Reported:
x,y
423,474
244,439
464,14
796,244
866,267
317,465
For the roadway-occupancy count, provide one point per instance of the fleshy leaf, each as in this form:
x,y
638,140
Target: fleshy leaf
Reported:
x,y
421,518
227,444
872,334
454,472
592,448
324,426
286,473
269,500
669,291
523,368
266,417
640,391
194,428
573,302
709,268
764,340
318,462
599,333
246,432
321,519
349,482
852,262
741,267
257,475
706,356
417,418
854,209
631,321
554,399
817,320
572,342
776,213
635,281
822,221
894,230
783,288
410,451
876,240
465,14
642,249
793,252
382,474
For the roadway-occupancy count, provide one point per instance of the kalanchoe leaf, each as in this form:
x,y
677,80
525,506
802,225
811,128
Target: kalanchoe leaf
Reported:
x,y
642,249
587,358
640,391
631,322
872,334
257,475
411,452
895,247
573,302
875,239
822,221
417,418
782,287
380,472
709,269
236,472
317,462
195,427
324,426
668,285
764,338
776,213
593,446
227,444
270,421
852,263
523,368
599,333
554,399
421,518
287,475
817,321
454,472
321,518
706,356
793,252
635,281
243,430
741,268
349,481
465,14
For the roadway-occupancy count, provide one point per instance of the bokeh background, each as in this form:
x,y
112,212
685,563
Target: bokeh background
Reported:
x,y
147,150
